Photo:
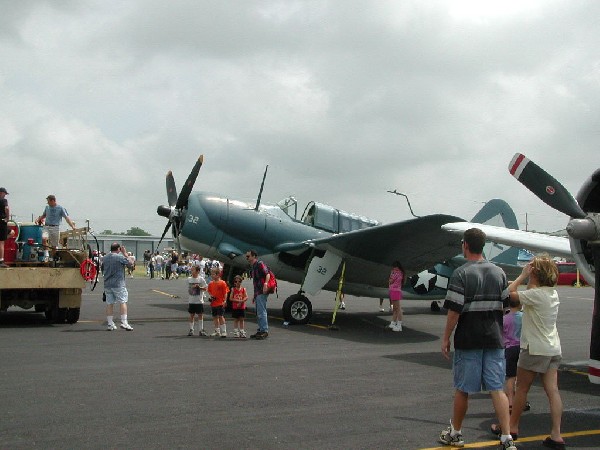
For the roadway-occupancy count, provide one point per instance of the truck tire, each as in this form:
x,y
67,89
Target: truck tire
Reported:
x,y
56,314
72,315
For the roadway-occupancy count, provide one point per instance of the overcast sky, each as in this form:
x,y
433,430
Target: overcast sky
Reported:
x,y
343,100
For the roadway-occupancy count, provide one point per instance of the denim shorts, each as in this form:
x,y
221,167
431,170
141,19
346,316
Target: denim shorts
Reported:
x,y
479,370
116,295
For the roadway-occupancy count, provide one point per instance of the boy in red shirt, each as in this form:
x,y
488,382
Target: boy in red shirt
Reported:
x,y
218,289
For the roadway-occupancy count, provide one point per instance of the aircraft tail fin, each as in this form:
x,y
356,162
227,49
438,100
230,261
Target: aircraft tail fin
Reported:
x,y
498,213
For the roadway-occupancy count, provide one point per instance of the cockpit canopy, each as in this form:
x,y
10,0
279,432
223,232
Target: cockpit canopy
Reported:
x,y
334,220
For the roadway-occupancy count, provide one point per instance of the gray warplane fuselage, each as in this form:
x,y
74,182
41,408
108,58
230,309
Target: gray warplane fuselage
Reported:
x,y
224,229
314,250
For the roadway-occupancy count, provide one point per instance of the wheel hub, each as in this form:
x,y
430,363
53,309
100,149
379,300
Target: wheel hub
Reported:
x,y
299,310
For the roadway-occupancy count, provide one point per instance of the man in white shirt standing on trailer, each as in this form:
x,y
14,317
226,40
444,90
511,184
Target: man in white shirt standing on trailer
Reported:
x,y
51,218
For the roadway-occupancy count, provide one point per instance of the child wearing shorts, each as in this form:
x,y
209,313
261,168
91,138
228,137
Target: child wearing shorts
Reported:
x,y
218,289
512,346
238,298
196,288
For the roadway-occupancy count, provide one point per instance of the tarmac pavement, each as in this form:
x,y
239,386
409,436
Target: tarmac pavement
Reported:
x,y
305,387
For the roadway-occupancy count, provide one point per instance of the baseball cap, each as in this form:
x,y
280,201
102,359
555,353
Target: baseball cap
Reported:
x,y
3,190
51,197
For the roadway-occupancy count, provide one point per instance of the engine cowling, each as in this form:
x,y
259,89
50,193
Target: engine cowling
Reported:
x,y
584,231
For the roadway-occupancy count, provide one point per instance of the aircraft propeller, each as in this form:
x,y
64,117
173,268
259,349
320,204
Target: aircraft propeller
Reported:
x,y
177,203
171,189
583,229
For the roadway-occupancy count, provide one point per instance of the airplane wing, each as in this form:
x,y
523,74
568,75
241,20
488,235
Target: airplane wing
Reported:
x,y
418,243
537,242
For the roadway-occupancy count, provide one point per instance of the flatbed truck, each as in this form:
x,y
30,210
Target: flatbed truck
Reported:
x,y
53,287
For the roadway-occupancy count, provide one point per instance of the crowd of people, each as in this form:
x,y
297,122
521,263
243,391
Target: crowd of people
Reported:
x,y
169,265
203,278
503,337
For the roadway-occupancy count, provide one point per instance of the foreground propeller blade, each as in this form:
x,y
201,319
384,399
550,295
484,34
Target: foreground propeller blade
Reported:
x,y
164,233
171,189
544,186
182,200
594,367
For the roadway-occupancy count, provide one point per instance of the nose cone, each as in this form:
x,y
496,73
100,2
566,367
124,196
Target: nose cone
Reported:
x,y
164,211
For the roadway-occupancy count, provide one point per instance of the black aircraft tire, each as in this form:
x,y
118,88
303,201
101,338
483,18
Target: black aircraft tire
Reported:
x,y
297,309
72,315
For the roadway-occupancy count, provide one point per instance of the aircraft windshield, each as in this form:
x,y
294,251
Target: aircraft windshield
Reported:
x,y
287,204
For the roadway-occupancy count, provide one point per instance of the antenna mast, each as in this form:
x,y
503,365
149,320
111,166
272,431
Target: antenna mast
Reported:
x,y
262,186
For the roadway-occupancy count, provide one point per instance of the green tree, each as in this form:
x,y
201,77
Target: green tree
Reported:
x,y
136,231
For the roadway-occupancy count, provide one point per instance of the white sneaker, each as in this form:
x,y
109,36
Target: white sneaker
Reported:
x,y
392,325
381,310
236,333
446,438
216,333
111,327
398,327
126,326
342,305
243,334
509,445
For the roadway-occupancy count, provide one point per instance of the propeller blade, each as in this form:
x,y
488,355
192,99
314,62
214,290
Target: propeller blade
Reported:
x,y
171,189
164,233
182,200
544,186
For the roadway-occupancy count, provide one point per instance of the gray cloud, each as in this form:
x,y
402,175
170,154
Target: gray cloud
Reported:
x,y
344,100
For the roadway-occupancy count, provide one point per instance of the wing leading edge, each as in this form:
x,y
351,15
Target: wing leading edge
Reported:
x,y
536,242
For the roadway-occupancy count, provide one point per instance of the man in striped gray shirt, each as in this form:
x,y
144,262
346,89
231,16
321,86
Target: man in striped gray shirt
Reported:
x,y
476,298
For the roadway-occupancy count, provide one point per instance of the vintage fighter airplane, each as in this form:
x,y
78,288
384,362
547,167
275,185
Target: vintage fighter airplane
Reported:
x,y
309,251
583,229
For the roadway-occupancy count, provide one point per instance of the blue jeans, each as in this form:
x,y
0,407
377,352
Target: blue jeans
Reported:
x,y
261,312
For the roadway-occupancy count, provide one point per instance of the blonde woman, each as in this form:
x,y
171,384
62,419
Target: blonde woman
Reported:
x,y
540,343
